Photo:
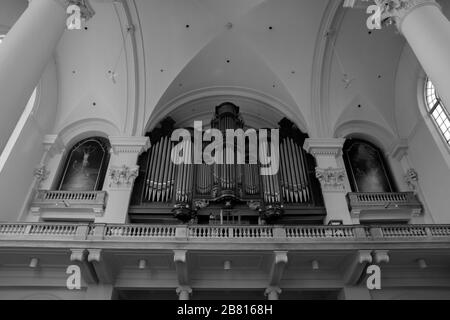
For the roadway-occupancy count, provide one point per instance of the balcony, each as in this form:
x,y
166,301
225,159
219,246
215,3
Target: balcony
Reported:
x,y
68,205
384,206
226,234
182,254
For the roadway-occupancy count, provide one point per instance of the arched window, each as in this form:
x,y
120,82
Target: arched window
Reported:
x,y
437,110
366,167
86,166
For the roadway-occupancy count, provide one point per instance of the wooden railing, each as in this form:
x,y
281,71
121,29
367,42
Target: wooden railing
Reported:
x,y
91,232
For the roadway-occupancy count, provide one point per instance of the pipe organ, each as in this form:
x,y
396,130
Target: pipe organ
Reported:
x,y
232,191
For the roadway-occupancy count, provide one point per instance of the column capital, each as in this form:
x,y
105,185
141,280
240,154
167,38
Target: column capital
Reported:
x,y
272,292
331,147
134,145
331,179
123,176
394,11
183,292
86,10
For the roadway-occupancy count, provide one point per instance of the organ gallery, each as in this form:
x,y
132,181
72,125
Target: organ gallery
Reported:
x,y
223,193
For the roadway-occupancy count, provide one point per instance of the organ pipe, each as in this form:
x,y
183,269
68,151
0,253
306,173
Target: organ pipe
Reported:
x,y
166,182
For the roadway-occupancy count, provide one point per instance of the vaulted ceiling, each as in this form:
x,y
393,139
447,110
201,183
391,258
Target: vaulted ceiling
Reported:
x,y
189,55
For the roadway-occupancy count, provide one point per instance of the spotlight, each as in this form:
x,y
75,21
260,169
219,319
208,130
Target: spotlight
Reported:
x,y
315,265
34,263
142,264
422,264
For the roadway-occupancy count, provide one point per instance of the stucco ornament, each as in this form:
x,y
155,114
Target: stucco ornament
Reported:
x,y
331,179
123,176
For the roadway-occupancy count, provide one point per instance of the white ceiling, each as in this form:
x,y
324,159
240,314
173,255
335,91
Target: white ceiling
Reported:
x,y
185,48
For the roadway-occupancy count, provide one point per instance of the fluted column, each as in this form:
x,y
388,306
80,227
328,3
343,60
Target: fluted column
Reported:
x,y
122,172
24,54
332,176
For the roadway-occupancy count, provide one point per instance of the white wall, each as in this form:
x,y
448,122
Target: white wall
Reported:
x,y
427,153
18,173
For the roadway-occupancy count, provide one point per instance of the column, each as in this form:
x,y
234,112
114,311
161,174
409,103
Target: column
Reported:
x,y
332,176
272,293
122,172
24,54
427,31
184,292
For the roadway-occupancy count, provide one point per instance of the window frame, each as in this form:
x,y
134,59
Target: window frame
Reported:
x,y
431,108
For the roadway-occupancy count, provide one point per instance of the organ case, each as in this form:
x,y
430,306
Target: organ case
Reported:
x,y
204,193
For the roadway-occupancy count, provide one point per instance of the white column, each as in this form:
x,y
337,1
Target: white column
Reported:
x,y
427,31
24,54
273,293
332,177
122,172
184,292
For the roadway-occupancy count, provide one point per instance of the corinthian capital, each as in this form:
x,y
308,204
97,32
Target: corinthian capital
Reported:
x,y
393,11
85,7
331,179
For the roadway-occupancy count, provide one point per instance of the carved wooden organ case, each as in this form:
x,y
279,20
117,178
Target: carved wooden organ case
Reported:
x,y
226,193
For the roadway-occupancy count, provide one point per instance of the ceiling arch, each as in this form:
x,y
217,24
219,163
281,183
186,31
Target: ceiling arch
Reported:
x,y
231,70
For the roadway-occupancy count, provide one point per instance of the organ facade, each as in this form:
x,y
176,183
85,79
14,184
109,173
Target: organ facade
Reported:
x,y
232,191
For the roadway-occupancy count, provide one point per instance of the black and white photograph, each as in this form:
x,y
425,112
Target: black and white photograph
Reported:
x,y
224,155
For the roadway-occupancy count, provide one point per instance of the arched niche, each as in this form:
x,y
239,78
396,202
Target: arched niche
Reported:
x,y
85,165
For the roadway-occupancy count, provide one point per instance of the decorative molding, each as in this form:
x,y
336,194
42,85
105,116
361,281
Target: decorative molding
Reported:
x,y
381,256
53,145
87,12
201,204
95,255
184,289
254,205
77,255
400,149
179,256
272,289
411,179
41,174
324,147
331,179
123,176
134,145
395,11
